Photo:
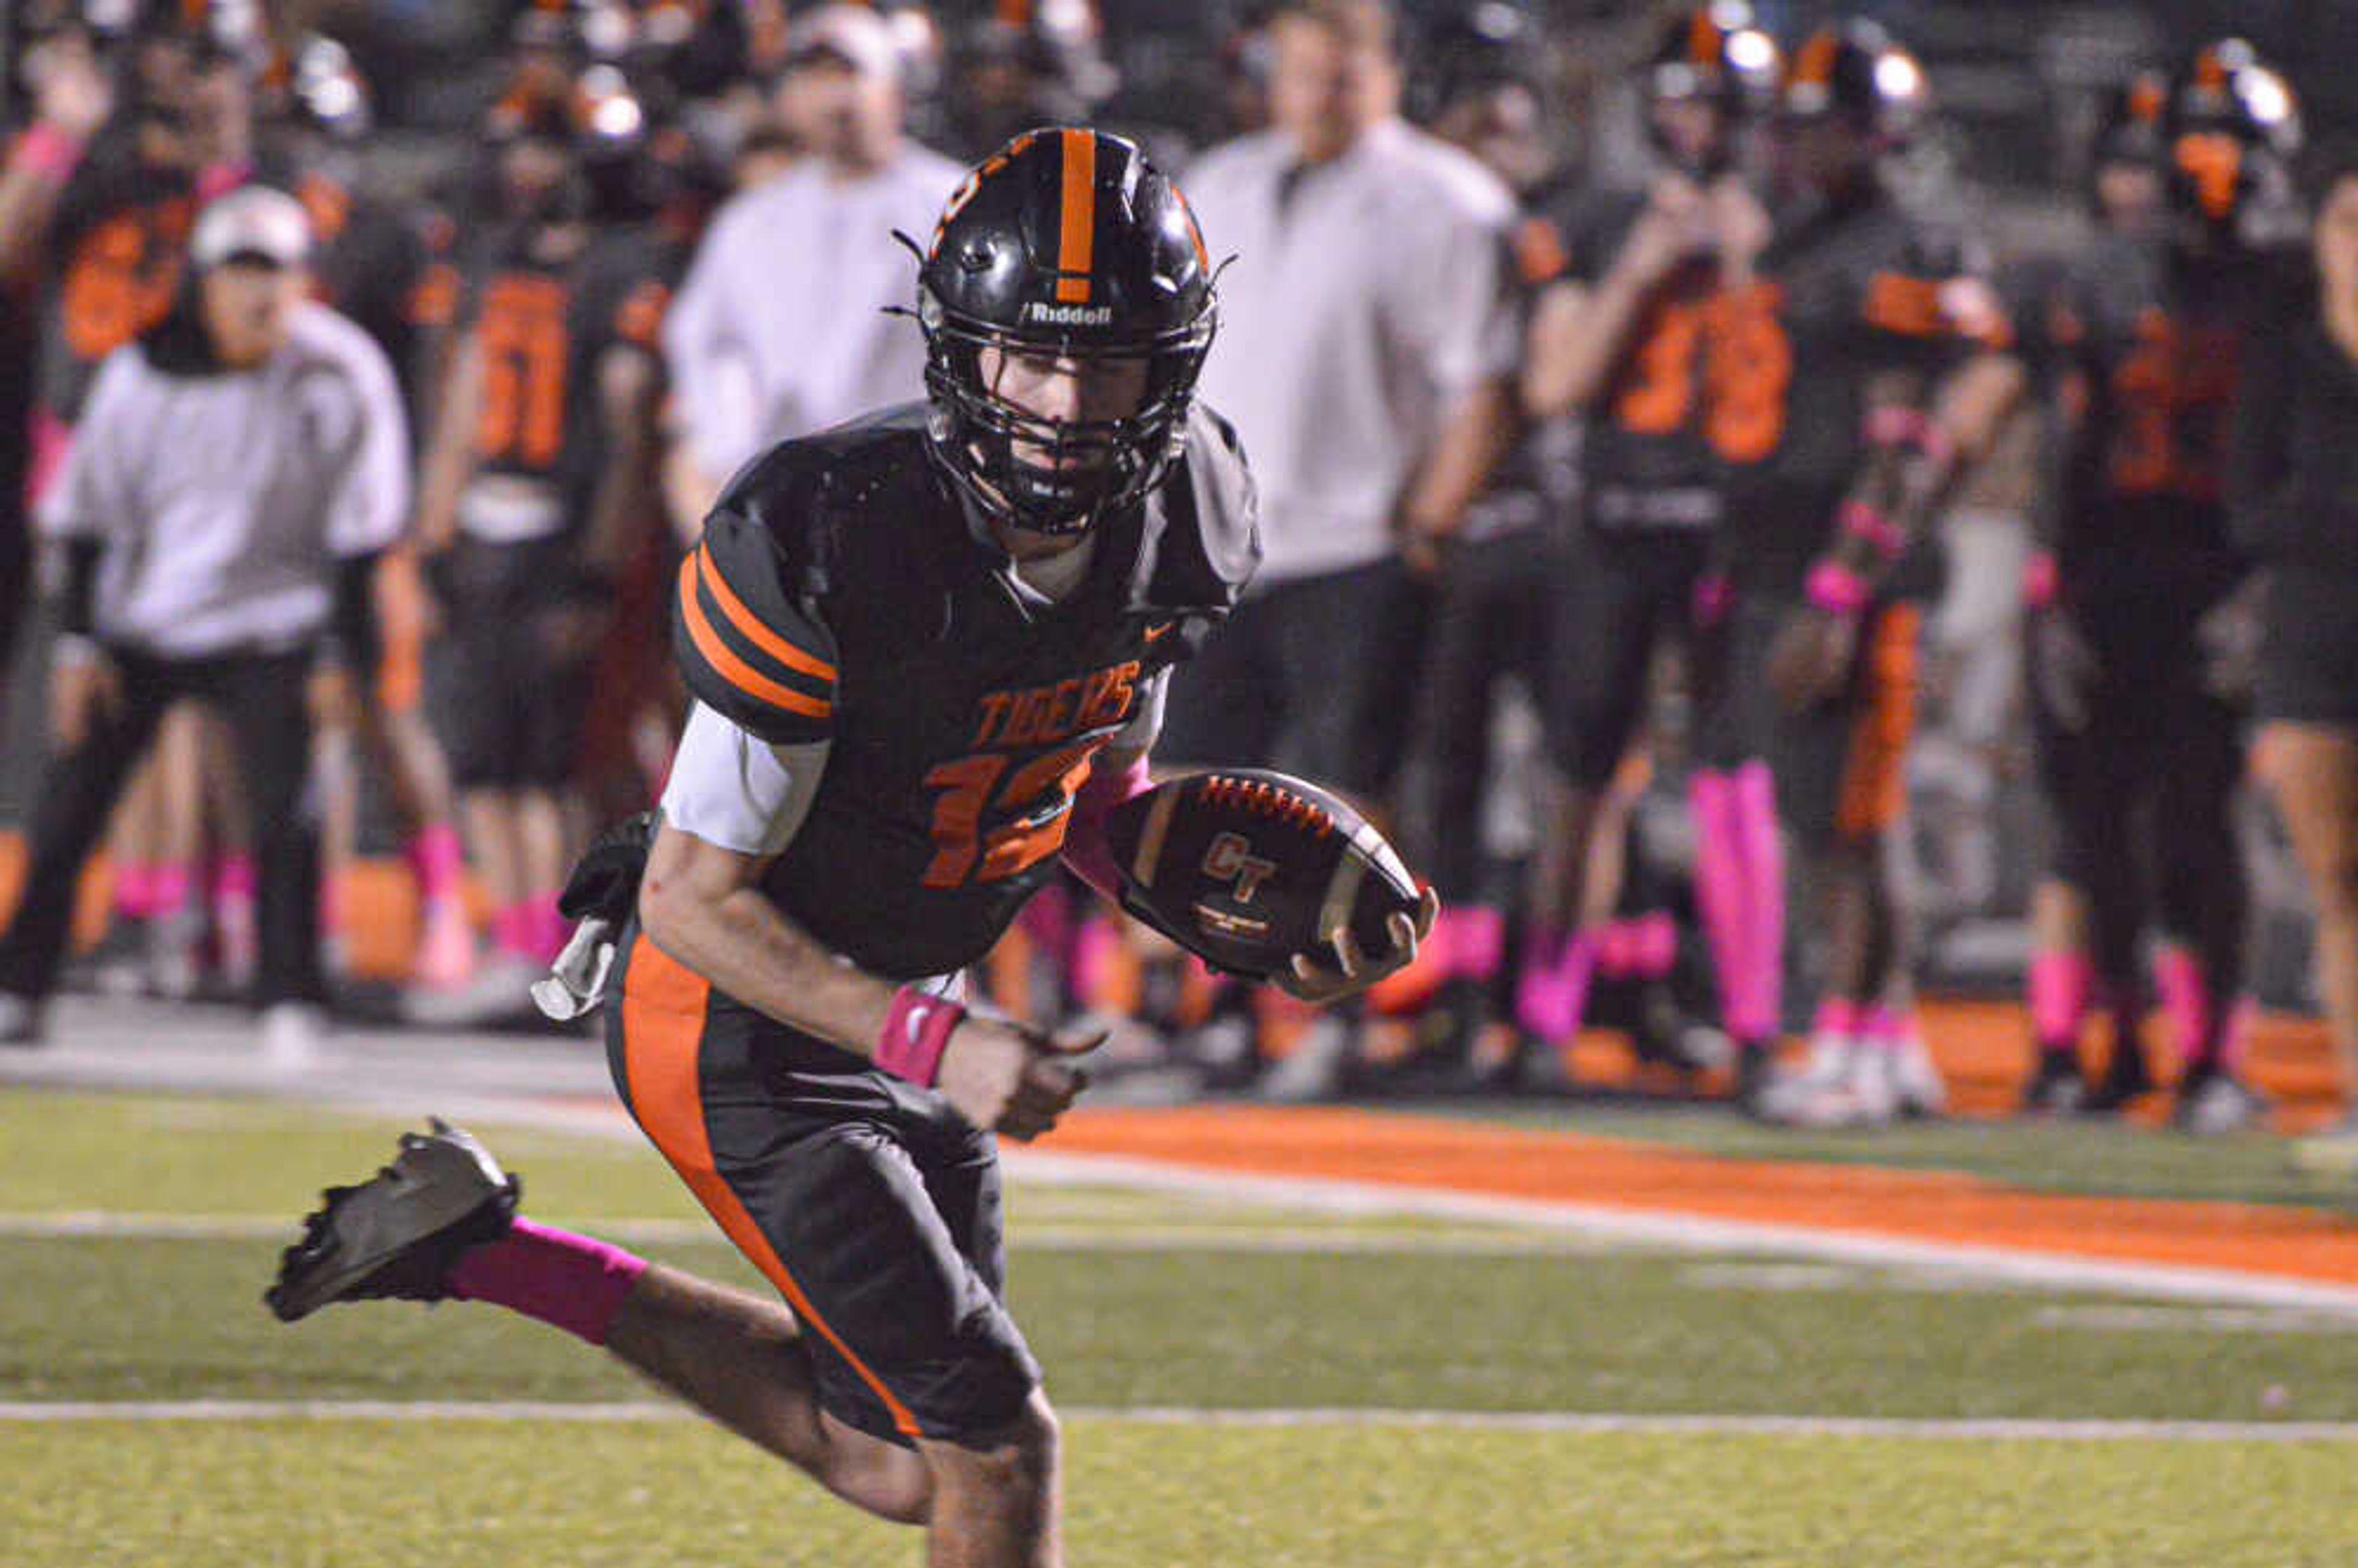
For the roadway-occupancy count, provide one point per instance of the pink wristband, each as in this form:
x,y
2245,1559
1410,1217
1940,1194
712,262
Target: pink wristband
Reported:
x,y
49,152
2042,583
916,1032
1864,522
1836,590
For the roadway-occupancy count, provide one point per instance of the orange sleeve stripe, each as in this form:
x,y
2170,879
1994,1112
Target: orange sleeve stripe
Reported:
x,y
749,625
734,670
1076,241
665,1005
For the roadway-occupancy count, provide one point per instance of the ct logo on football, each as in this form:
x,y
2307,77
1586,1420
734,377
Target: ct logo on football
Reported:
x,y
1230,859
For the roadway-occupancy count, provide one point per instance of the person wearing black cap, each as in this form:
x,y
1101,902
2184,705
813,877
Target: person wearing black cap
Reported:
x,y
928,650
238,469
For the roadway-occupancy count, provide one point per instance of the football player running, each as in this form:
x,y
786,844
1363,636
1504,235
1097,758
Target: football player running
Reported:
x,y
928,651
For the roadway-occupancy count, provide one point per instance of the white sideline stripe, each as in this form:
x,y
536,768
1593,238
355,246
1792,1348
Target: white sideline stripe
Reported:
x,y
1994,1429
1695,1233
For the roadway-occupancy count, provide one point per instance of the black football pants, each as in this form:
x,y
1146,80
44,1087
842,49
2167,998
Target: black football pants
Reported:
x,y
262,698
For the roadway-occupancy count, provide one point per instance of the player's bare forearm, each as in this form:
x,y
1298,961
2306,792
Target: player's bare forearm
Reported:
x,y
1472,439
704,906
451,462
1904,481
1577,336
626,495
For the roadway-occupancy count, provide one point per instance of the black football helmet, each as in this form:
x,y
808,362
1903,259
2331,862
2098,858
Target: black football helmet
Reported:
x,y
1856,69
1065,243
2234,132
1717,55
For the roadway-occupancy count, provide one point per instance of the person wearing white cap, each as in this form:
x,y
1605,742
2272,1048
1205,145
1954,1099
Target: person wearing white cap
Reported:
x,y
779,329
237,471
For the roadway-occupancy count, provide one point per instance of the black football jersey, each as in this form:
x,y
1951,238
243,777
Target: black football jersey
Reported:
x,y
120,234
1845,293
2143,356
841,592
542,326
1651,459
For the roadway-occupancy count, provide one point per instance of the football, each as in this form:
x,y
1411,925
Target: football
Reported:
x,y
1246,867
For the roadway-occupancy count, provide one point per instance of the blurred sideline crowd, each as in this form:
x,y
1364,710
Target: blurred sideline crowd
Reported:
x,y
1619,501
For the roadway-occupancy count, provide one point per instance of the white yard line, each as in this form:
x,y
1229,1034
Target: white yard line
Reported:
x,y
1999,1429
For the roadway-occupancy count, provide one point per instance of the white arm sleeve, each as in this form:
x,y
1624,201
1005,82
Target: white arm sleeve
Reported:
x,y
736,791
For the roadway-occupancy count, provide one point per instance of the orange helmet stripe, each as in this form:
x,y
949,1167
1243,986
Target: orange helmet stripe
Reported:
x,y
1080,217
1816,61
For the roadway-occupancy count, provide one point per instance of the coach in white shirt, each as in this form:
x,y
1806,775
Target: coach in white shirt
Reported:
x,y
235,474
780,327
1366,334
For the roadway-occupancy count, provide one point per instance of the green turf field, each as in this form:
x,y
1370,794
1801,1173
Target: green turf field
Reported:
x,y
1135,1300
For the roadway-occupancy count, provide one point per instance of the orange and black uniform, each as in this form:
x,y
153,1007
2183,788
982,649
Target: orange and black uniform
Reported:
x,y
1847,290
1650,504
2142,350
517,676
120,233
843,593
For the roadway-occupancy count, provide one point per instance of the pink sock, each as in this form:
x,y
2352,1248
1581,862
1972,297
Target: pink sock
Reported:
x,y
436,862
1837,1016
135,890
1762,856
1617,949
331,903
1473,941
1886,1027
512,930
2059,987
233,880
169,882
2207,1032
1654,945
575,1282
1719,887
548,927
1551,993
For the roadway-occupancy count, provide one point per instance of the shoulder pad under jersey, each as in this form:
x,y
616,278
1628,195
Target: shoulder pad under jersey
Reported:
x,y
748,646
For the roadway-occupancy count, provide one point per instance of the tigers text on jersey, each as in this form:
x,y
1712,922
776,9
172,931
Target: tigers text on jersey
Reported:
x,y
842,594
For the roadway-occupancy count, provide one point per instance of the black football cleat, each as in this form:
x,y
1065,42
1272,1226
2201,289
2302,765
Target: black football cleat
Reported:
x,y
397,1234
2057,1089
2127,1077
